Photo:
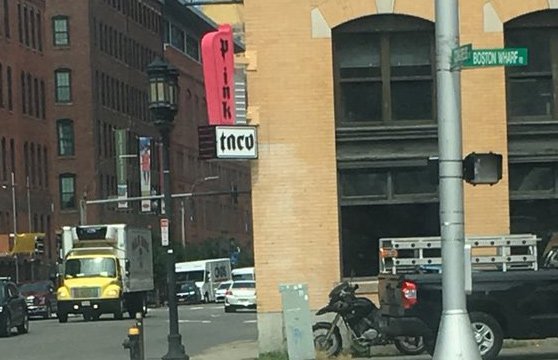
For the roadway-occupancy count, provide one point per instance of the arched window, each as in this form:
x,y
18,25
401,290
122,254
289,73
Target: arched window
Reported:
x,y
384,70
531,89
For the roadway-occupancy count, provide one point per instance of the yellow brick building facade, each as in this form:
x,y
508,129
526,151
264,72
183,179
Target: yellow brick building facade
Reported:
x,y
304,147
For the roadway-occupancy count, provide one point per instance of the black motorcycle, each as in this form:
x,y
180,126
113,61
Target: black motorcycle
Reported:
x,y
360,316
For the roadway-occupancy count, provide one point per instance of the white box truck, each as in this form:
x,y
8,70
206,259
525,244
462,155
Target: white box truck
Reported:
x,y
106,269
207,275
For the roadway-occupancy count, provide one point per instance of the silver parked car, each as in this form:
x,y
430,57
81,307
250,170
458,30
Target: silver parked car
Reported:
x,y
241,295
222,290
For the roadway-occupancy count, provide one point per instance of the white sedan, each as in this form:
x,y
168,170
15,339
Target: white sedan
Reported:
x,y
241,295
222,290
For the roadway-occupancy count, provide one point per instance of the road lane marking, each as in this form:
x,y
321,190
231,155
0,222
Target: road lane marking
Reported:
x,y
250,321
195,321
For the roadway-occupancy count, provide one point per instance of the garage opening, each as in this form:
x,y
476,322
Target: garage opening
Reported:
x,y
362,227
538,217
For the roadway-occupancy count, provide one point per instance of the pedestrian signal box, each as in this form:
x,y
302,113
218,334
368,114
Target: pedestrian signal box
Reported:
x,y
485,168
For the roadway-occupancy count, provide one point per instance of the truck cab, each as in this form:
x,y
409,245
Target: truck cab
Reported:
x,y
92,284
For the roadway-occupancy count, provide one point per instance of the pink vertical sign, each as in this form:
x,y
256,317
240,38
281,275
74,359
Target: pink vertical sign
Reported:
x,y
218,73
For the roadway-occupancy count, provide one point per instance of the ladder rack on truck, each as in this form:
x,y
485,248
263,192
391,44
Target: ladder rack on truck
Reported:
x,y
415,254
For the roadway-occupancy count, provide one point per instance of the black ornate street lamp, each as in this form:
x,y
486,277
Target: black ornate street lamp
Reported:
x,y
163,96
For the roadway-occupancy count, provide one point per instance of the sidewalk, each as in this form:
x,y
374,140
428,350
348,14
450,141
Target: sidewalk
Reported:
x,y
238,350
248,350
513,350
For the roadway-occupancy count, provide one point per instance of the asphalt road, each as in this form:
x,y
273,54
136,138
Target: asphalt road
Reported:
x,y
201,327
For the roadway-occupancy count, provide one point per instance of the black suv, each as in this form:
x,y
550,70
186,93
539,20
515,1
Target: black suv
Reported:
x,y
13,309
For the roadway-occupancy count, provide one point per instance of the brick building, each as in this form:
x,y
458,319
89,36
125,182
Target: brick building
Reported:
x,y
25,149
344,95
98,56
72,74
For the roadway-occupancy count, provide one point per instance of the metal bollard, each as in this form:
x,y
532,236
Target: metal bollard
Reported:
x,y
132,343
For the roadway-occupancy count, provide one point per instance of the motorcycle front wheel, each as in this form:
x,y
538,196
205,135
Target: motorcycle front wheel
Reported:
x,y
409,345
329,347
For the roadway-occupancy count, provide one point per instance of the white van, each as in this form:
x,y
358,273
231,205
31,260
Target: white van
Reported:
x,y
207,274
245,273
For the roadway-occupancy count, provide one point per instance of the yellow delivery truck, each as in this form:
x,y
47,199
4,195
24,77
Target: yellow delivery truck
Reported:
x,y
107,269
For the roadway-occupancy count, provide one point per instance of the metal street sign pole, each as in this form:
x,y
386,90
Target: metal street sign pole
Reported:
x,y
455,336
84,203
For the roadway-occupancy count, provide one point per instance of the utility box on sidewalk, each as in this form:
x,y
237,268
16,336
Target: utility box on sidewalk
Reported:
x,y
297,322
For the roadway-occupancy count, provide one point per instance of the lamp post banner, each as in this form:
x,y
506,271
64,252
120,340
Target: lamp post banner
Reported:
x,y
145,171
218,72
121,176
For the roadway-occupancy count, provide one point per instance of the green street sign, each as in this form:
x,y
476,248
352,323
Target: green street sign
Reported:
x,y
498,57
460,55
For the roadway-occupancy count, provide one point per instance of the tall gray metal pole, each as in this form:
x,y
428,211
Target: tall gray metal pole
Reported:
x,y
455,336
182,221
82,212
14,214
29,217
30,224
14,209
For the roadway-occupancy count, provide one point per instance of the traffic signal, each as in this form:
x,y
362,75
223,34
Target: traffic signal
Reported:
x,y
482,168
39,245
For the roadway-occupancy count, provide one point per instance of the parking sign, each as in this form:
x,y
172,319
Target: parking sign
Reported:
x,y
165,232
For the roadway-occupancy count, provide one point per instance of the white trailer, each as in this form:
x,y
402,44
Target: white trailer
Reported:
x,y
207,275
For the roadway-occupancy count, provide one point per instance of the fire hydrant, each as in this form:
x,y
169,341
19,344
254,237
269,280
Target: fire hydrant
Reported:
x,y
133,343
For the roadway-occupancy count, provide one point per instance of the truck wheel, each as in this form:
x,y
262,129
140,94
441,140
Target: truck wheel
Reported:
x,y
62,317
24,327
6,328
143,306
331,347
132,313
119,313
488,334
